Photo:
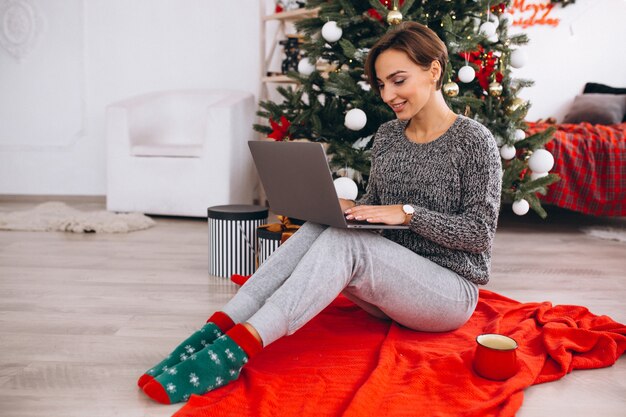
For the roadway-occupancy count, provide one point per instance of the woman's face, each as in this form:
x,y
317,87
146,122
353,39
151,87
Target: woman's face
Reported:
x,y
404,86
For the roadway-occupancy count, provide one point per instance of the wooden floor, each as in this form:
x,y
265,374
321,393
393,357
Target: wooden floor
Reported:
x,y
83,315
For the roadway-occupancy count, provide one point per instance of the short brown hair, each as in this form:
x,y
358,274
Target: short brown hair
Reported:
x,y
420,43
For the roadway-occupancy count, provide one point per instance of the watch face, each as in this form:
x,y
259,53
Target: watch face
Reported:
x,y
408,209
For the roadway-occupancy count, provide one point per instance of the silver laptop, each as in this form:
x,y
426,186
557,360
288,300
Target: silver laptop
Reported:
x,y
299,184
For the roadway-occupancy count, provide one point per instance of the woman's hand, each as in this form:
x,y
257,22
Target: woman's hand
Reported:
x,y
346,204
391,215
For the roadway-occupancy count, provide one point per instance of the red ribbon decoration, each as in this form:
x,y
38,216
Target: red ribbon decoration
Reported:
x,y
498,8
486,63
280,130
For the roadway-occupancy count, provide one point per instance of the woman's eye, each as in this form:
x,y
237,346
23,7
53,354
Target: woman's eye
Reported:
x,y
398,82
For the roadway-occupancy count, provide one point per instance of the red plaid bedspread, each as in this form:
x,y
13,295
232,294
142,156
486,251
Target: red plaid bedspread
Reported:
x,y
591,160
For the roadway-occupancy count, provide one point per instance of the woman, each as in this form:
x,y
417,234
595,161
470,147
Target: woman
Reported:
x,y
433,170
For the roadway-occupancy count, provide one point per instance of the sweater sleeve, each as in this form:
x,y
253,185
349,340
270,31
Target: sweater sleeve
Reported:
x,y
472,228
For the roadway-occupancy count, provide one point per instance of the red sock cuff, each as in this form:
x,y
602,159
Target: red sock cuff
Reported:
x,y
245,340
239,279
222,321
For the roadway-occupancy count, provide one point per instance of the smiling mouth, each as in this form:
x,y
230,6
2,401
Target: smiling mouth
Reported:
x,y
398,106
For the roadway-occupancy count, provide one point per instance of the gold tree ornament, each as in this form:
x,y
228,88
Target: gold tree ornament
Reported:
x,y
516,104
451,89
394,17
495,89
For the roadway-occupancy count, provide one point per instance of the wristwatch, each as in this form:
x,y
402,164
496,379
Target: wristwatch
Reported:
x,y
408,211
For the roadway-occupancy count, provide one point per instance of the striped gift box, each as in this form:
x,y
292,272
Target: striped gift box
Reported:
x,y
232,238
271,236
268,242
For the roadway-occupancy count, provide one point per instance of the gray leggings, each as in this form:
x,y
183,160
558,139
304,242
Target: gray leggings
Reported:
x,y
317,263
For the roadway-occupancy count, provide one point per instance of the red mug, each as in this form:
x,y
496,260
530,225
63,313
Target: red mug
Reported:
x,y
495,356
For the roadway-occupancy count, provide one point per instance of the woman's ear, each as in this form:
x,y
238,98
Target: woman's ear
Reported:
x,y
435,71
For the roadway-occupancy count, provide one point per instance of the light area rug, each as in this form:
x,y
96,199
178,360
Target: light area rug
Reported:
x,y
59,217
607,233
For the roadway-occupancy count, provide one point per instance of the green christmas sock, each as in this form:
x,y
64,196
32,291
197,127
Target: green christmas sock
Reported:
x,y
215,327
208,369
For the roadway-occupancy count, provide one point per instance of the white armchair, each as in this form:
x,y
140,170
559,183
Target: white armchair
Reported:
x,y
179,152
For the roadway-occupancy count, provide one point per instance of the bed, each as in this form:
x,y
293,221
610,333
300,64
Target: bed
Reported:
x,y
589,149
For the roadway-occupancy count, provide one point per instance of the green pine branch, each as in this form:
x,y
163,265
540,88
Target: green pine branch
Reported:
x,y
538,140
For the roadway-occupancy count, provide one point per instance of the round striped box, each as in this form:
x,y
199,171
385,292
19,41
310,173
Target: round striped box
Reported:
x,y
268,243
232,238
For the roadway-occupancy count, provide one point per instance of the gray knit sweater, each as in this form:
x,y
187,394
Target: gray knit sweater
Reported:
x,y
454,185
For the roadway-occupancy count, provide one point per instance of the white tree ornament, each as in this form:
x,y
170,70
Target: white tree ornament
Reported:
x,y
494,19
365,86
507,152
305,67
331,32
520,207
541,161
355,119
467,74
507,18
487,29
519,134
518,58
346,188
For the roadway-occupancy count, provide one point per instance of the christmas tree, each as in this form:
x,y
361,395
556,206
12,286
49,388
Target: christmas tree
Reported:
x,y
333,103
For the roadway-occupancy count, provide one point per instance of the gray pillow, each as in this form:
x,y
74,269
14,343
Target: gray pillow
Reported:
x,y
604,109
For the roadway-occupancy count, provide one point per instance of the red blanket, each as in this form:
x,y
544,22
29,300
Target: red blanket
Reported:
x,y
347,363
591,161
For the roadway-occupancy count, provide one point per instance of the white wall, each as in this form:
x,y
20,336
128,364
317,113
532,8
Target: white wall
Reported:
x,y
83,55
87,54
588,45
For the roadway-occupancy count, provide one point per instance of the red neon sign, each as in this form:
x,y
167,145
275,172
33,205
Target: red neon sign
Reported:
x,y
532,14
